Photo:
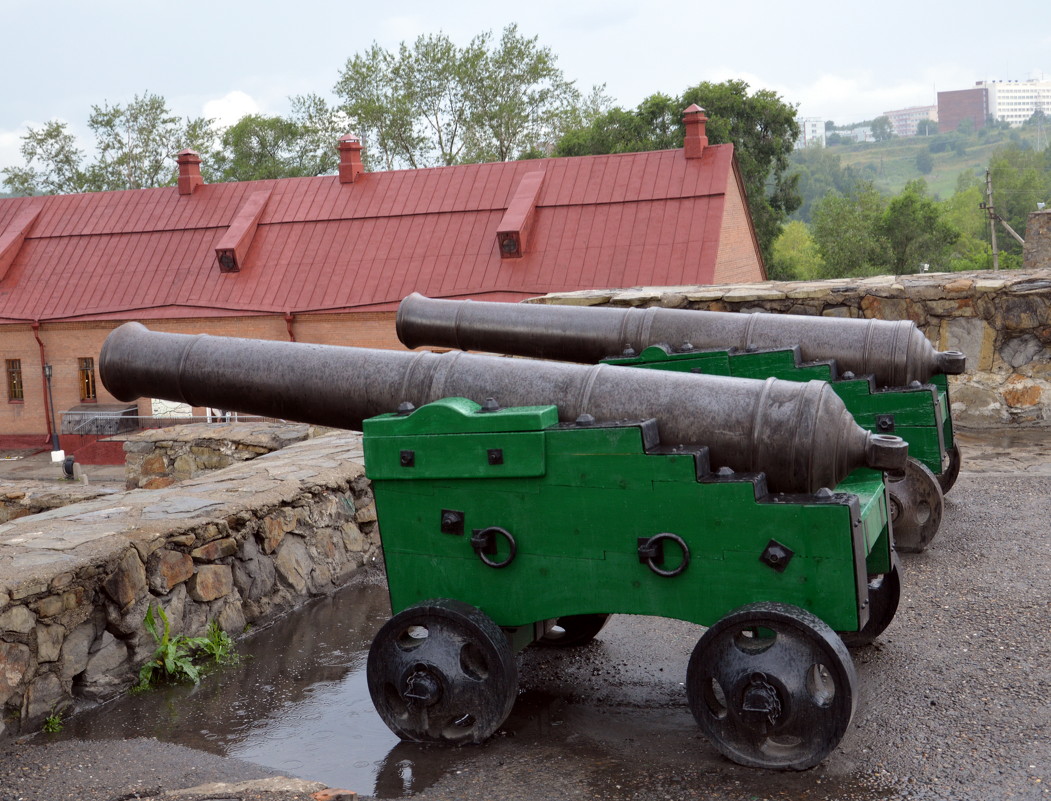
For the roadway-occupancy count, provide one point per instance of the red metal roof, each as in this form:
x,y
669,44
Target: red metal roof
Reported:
x,y
321,245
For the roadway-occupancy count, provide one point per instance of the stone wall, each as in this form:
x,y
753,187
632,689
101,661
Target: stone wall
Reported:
x,y
1037,251
1001,320
240,545
158,458
33,497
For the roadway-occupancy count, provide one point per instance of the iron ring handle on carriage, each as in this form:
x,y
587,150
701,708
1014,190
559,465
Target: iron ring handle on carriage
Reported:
x,y
651,553
484,543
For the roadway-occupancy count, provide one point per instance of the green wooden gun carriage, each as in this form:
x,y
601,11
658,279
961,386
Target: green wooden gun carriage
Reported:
x,y
756,508
888,375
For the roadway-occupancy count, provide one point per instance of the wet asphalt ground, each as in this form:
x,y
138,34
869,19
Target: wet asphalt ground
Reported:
x,y
955,697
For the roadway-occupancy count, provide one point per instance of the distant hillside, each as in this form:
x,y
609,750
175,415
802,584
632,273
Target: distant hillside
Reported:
x,y
892,164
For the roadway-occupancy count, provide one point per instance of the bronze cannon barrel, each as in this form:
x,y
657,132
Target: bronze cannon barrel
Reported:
x,y
799,434
896,353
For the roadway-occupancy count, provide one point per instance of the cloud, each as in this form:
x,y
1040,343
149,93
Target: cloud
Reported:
x,y
229,108
10,154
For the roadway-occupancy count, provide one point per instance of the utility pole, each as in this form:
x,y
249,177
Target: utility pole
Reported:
x,y
988,206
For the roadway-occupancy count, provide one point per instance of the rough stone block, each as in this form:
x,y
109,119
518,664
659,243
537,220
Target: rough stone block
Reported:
x,y
274,528
75,649
152,465
254,573
981,405
103,677
49,607
293,564
836,311
128,582
168,568
366,514
1020,313
216,549
974,337
43,695
15,660
49,642
1022,392
1022,350
211,582
18,619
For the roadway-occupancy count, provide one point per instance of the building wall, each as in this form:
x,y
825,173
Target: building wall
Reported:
x,y
904,121
25,424
1015,102
811,132
962,104
737,259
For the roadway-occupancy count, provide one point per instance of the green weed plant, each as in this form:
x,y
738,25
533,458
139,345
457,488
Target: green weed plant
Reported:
x,y
173,659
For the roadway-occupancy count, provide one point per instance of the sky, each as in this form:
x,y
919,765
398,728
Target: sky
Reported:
x,y
841,61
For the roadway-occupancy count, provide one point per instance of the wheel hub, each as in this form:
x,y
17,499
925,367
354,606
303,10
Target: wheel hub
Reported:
x,y
422,688
760,702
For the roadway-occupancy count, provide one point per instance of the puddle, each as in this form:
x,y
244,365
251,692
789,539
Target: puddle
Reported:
x,y
298,703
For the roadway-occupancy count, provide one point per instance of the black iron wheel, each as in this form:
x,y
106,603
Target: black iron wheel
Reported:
x,y
915,507
772,686
947,477
884,594
580,630
442,671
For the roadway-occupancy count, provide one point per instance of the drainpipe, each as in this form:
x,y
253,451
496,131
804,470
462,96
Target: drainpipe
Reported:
x,y
288,324
45,374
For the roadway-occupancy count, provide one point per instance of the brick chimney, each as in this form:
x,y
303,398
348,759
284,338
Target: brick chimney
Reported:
x,y
189,171
696,139
350,166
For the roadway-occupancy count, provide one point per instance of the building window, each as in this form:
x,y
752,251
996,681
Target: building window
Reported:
x,y
14,381
87,378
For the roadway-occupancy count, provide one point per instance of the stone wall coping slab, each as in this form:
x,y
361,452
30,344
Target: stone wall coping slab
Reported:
x,y
91,531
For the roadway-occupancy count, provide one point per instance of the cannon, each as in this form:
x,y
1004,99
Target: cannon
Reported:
x,y
762,516
856,356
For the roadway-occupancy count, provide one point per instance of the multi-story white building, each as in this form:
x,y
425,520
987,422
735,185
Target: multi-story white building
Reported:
x,y
904,121
811,132
1015,101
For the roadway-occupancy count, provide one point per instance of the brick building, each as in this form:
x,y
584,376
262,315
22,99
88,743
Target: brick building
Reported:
x,y
328,259
962,104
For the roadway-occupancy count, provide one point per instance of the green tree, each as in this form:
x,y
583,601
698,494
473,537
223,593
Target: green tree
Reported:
x,y
54,163
135,148
1021,178
796,256
913,227
760,124
881,129
847,231
972,250
924,161
926,128
655,125
820,171
438,104
257,147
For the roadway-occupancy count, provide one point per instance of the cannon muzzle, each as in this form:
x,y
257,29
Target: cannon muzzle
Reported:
x,y
896,353
799,434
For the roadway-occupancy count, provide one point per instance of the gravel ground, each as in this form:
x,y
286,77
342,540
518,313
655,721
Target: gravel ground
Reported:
x,y
955,701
